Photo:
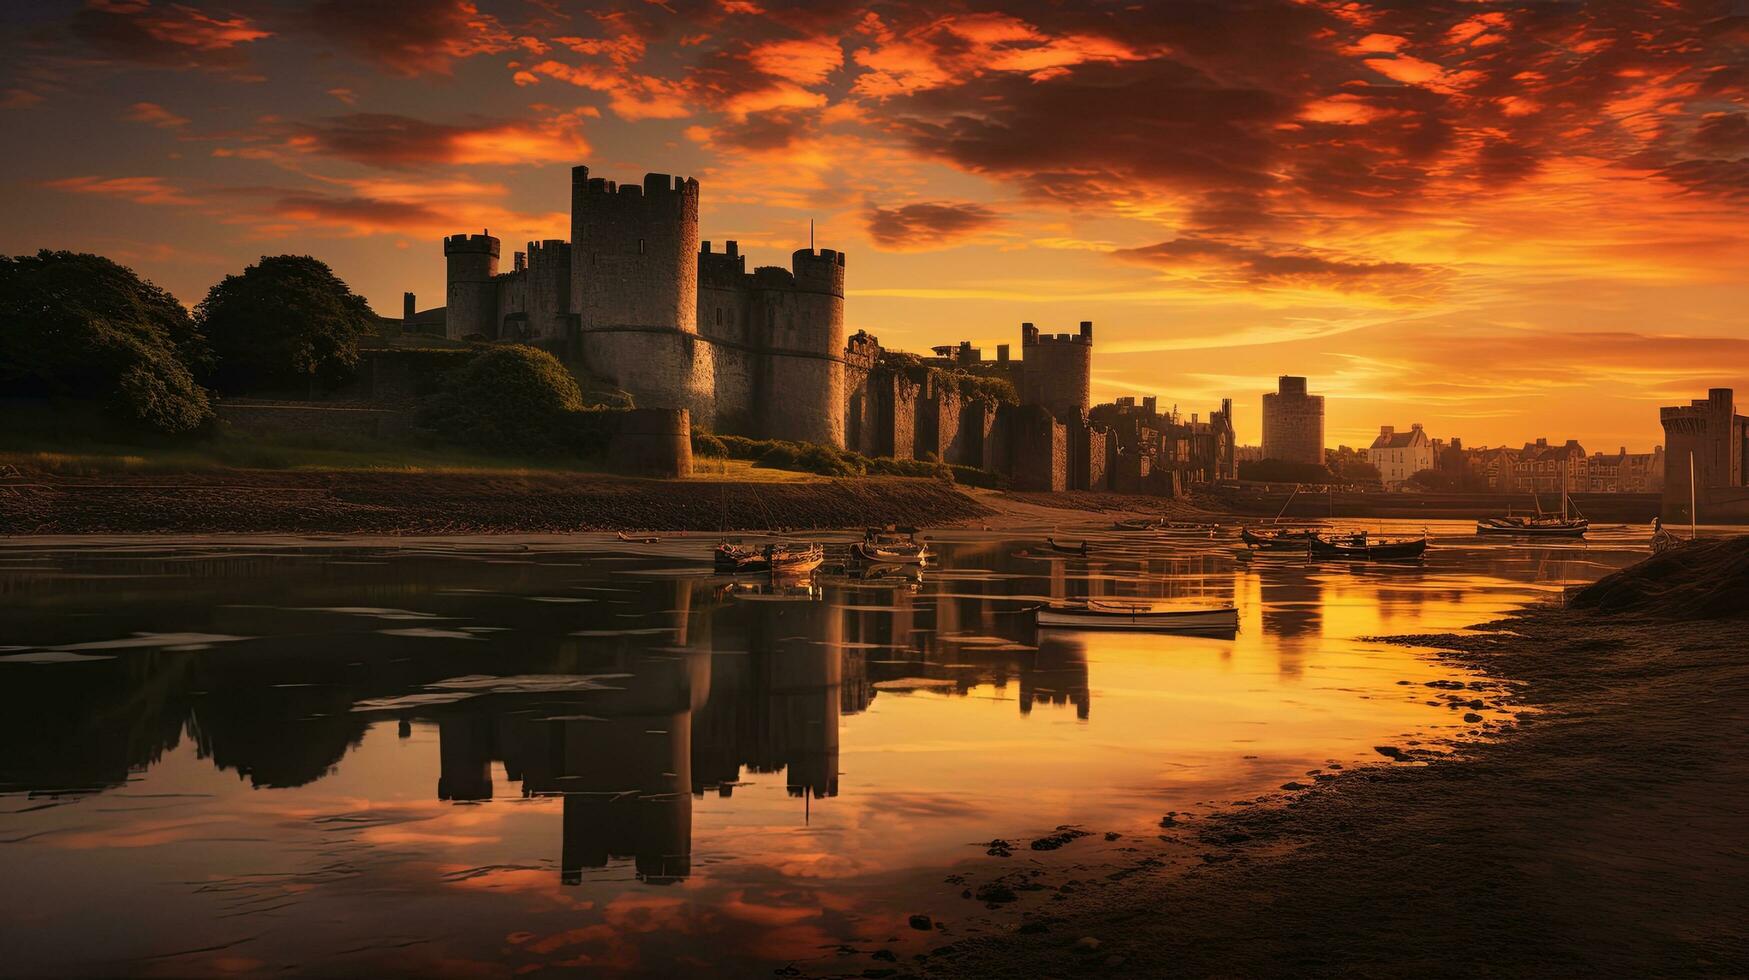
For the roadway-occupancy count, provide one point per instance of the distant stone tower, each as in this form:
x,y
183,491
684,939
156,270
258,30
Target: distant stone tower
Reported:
x,y
473,293
1057,371
634,289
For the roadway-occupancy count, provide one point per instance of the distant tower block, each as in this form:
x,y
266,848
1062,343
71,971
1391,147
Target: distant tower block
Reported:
x,y
634,287
1057,371
473,295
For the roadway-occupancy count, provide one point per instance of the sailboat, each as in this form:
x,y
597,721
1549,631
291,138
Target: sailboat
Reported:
x,y
1542,525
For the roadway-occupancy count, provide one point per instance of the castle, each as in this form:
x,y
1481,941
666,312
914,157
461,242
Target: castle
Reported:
x,y
637,300
1707,455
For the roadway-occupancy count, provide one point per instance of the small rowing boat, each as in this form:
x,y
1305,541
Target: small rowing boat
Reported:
x,y
638,539
890,546
1286,539
1067,549
1140,615
738,559
1360,547
789,559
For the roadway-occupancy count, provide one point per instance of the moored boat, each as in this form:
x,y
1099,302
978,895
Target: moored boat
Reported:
x,y
789,559
1140,615
1067,549
738,559
1272,539
1534,527
638,538
890,546
1362,547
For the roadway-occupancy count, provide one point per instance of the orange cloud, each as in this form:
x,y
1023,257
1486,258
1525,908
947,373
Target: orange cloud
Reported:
x,y
153,114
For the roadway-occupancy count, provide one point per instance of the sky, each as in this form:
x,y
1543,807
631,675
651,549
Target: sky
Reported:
x,y
1502,220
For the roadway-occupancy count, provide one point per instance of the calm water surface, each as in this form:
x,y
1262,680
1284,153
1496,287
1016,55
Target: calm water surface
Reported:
x,y
473,758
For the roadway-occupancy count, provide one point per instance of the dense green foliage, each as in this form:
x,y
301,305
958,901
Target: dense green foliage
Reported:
x,y
518,400
807,457
286,322
82,327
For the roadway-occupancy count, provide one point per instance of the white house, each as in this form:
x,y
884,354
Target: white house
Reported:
x,y
1400,455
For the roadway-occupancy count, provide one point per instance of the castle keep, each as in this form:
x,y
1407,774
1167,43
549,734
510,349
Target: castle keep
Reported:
x,y
637,300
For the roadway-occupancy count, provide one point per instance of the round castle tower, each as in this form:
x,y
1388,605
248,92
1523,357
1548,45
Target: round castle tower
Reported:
x,y
634,288
1057,371
807,342
472,298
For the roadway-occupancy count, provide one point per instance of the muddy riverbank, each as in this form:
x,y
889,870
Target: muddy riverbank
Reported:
x,y
1599,834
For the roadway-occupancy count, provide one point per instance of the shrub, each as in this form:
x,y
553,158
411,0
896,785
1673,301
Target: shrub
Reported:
x,y
286,321
82,327
705,444
971,476
518,400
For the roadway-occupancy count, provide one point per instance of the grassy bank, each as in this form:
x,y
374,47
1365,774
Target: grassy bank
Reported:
x,y
1601,835
449,501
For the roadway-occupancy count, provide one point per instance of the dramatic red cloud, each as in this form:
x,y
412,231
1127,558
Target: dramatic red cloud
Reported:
x,y
139,190
410,37
164,34
936,224
394,141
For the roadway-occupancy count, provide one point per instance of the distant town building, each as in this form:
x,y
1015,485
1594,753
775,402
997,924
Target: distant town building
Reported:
x,y
1400,455
1625,472
1293,423
1709,432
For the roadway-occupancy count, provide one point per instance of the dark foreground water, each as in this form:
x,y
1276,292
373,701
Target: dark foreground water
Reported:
x,y
482,757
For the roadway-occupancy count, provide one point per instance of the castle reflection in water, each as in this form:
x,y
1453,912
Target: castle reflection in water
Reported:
x,y
625,689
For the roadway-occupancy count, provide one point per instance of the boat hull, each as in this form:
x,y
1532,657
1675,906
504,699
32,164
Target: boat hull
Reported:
x,y
1531,531
888,556
1157,621
1390,551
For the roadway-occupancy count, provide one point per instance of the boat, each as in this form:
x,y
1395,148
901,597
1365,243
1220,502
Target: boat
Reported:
x,y
1534,527
1067,549
890,546
738,559
1362,547
1142,525
1140,615
1542,525
1276,539
638,539
789,559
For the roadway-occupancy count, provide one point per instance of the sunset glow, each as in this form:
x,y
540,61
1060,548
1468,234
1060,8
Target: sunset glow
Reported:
x,y
1501,220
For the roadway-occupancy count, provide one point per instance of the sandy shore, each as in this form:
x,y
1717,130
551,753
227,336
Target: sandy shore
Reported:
x,y
1602,834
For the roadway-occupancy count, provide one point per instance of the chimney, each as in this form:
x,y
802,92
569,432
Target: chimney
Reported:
x,y
1001,353
1087,331
1150,404
1387,430
408,307
520,263
1415,426
734,247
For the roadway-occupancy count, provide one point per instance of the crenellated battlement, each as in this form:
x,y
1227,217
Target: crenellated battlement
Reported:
x,y
1031,337
653,187
481,243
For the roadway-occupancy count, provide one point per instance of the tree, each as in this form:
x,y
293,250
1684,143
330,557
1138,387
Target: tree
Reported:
x,y
286,321
80,326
